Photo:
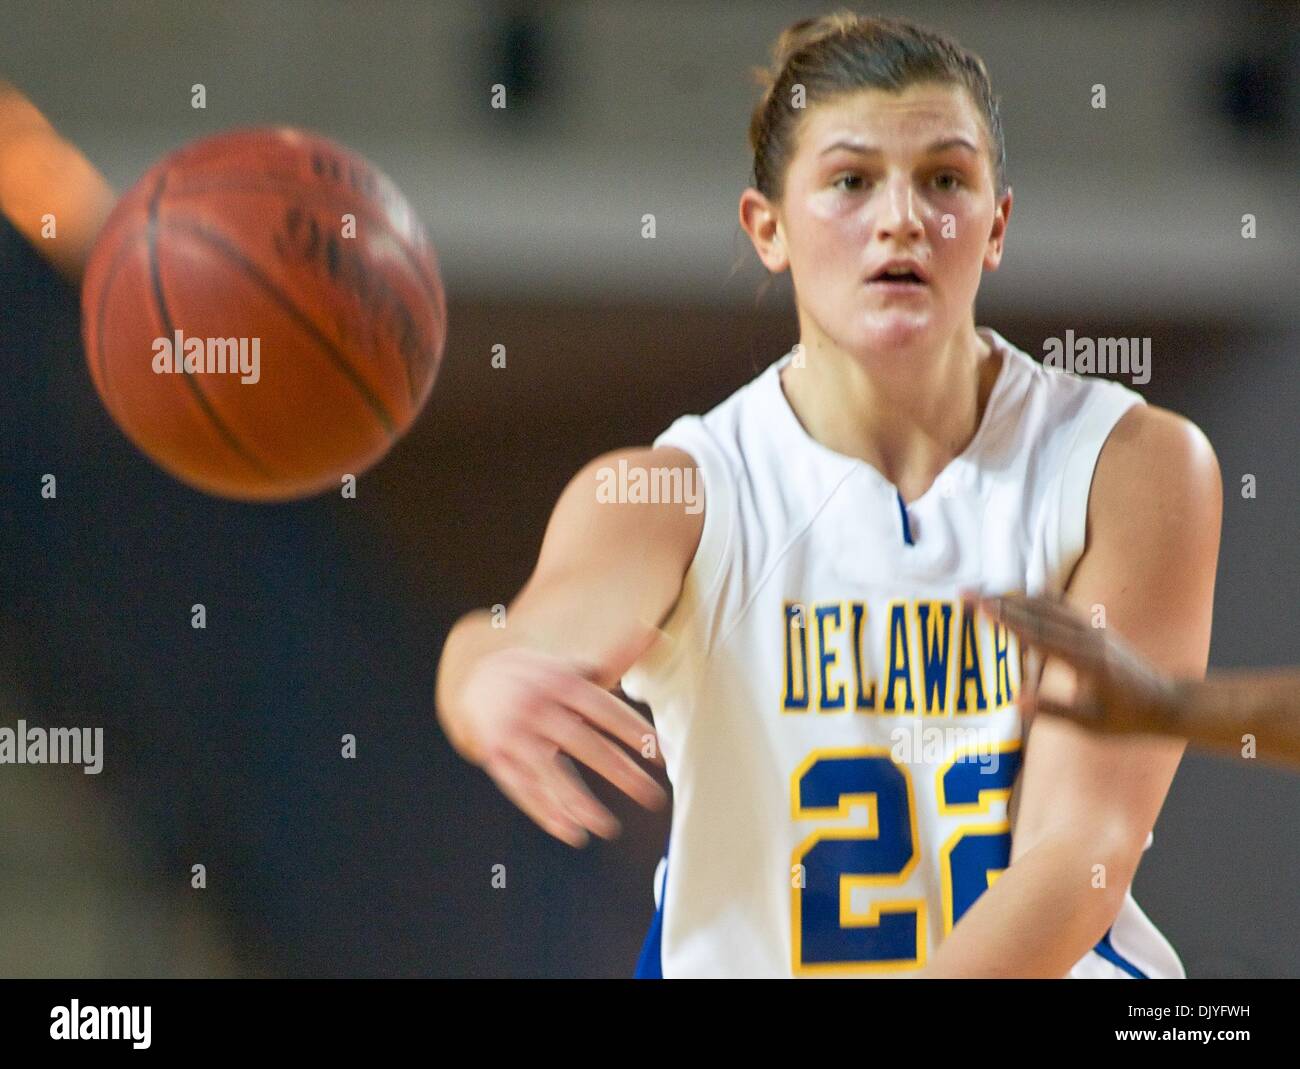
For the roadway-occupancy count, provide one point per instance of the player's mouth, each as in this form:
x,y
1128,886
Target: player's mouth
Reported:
x,y
899,276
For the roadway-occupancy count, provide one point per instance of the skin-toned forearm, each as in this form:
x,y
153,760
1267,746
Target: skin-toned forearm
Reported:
x,y
49,191
606,577
1038,919
1217,712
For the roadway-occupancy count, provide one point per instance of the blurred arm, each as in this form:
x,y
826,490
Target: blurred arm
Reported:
x,y
42,175
1217,712
607,575
1119,691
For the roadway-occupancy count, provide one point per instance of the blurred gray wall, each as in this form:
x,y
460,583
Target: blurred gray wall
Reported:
x,y
616,109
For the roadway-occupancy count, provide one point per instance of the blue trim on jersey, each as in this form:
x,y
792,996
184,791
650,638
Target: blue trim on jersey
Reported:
x,y
649,966
1107,950
907,526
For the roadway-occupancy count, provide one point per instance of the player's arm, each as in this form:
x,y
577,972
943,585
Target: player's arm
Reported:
x,y
1218,712
1088,801
1120,691
522,698
44,181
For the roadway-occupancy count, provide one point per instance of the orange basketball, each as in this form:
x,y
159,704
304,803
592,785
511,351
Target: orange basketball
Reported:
x,y
263,314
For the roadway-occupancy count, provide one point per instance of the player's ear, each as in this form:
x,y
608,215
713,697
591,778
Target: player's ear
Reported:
x,y
762,222
998,232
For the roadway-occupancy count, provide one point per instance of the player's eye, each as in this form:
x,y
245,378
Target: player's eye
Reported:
x,y
948,181
857,178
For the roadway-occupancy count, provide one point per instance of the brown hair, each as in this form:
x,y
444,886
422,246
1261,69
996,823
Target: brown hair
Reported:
x,y
842,52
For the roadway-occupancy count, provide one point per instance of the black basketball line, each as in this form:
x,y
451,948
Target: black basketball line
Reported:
x,y
216,241
296,190
299,191
155,276
123,247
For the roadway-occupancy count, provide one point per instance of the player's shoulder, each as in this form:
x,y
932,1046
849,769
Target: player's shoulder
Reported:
x,y
640,478
1162,433
1155,506
1163,457
644,503
631,457
1142,444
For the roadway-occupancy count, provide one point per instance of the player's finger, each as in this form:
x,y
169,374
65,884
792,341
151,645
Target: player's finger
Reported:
x,y
564,684
611,715
1032,703
520,786
1036,628
1052,611
1027,618
1033,667
650,749
564,783
1030,685
553,775
598,753
1081,712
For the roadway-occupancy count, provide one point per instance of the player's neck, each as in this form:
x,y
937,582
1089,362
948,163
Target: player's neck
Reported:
x,y
906,417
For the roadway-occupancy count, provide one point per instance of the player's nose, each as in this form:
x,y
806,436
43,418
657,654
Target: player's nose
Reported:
x,y
898,216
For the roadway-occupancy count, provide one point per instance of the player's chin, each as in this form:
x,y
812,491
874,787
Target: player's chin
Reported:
x,y
897,327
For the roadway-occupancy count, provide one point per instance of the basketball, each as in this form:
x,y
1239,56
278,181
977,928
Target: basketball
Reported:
x,y
263,314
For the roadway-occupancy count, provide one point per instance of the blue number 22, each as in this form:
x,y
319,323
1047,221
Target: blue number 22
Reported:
x,y
891,936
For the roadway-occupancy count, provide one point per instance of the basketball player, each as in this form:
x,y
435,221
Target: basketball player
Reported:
x,y
1118,690
842,738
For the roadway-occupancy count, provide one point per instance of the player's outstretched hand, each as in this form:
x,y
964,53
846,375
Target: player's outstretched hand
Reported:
x,y
1117,689
43,175
525,715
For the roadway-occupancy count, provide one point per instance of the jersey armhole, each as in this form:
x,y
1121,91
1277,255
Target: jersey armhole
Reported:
x,y
1067,543
690,620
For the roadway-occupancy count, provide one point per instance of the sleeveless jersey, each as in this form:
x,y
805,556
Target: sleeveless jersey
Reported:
x,y
842,739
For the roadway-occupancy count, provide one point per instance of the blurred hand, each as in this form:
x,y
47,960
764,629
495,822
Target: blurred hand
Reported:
x,y
43,175
1116,689
522,715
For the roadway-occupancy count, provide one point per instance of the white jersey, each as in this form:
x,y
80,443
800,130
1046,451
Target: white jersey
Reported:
x,y
841,738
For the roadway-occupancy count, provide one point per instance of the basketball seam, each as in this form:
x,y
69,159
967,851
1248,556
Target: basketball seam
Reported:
x,y
432,291
264,182
155,277
340,361
110,276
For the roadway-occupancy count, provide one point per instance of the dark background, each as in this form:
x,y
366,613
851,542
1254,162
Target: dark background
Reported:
x,y
327,617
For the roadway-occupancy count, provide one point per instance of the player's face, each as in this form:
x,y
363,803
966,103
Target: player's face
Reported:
x,y
878,176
